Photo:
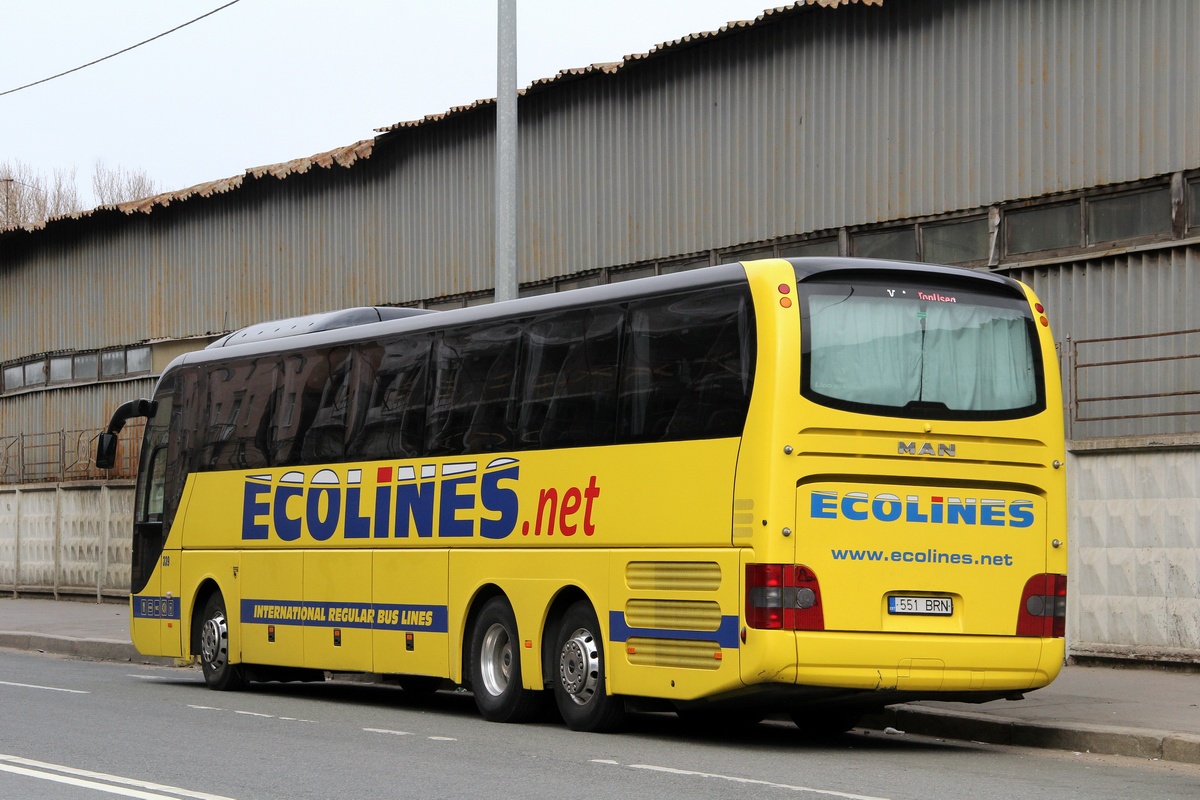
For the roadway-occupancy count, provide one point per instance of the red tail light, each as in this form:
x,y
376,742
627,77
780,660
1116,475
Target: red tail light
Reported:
x,y
783,597
1043,609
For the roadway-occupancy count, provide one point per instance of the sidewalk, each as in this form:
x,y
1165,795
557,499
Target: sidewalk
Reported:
x,y
1138,712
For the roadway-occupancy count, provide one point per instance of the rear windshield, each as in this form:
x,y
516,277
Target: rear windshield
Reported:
x,y
899,348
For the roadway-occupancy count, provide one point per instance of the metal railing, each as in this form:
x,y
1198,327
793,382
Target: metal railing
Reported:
x,y
1116,381
61,456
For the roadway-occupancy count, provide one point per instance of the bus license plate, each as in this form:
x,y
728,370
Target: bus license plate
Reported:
x,y
928,606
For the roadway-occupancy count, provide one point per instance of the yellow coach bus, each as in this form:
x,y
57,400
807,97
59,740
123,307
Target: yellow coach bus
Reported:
x,y
804,486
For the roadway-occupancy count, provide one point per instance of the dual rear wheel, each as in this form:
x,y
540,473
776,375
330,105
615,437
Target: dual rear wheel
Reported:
x,y
578,670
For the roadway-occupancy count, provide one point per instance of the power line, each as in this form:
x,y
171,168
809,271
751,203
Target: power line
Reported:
x,y
119,52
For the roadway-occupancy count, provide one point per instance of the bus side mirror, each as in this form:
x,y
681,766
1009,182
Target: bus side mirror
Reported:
x,y
106,445
106,450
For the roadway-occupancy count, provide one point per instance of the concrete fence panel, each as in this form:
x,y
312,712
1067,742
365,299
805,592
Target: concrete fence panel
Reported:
x,y
66,539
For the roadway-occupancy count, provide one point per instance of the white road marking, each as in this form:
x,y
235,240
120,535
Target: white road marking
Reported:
x,y
148,677
385,730
746,781
252,714
115,784
442,739
47,688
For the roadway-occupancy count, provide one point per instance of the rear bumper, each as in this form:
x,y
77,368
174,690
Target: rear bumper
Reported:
x,y
926,664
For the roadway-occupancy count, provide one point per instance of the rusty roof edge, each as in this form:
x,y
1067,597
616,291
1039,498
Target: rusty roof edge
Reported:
x,y
347,156
613,67
342,156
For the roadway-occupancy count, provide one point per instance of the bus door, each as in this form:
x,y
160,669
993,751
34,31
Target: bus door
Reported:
x,y
155,578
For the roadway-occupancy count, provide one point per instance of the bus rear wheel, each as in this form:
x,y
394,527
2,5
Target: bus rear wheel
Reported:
x,y
219,674
496,666
579,674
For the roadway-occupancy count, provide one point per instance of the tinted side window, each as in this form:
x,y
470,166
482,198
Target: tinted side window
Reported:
x,y
473,404
302,381
688,366
241,400
393,421
569,381
224,404
325,437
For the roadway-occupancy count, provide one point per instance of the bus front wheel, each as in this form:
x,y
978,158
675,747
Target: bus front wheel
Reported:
x,y
496,666
219,674
579,684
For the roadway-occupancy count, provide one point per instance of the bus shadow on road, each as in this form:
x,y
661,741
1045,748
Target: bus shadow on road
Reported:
x,y
450,701
783,735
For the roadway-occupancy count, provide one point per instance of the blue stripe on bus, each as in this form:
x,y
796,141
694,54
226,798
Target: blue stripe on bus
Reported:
x,y
154,607
376,616
726,635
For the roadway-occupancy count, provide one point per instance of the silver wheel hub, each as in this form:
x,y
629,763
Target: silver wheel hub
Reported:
x,y
579,666
496,660
214,642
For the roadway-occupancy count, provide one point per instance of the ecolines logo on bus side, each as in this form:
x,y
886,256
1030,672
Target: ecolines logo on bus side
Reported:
x,y
404,501
885,507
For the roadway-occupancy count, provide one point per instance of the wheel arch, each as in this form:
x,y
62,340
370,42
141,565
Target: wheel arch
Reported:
x,y
207,588
566,597
483,594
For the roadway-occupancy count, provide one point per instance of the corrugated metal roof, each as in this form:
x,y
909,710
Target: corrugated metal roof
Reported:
x,y
348,155
613,67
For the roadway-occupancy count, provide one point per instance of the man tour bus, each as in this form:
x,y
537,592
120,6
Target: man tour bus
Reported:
x,y
802,486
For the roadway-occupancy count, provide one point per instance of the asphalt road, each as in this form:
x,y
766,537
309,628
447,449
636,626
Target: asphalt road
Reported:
x,y
76,729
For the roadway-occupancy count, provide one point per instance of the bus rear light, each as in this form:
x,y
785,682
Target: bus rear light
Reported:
x,y
1043,610
783,597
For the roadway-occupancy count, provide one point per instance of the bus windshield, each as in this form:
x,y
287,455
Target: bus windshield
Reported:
x,y
914,350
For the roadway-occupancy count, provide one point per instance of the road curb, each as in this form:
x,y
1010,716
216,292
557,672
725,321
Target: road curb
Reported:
x,y
98,649
1050,734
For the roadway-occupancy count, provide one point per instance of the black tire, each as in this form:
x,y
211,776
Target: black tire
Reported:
x,y
824,724
579,674
496,666
219,674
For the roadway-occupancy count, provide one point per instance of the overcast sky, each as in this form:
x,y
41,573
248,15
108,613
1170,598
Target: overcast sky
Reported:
x,y
265,81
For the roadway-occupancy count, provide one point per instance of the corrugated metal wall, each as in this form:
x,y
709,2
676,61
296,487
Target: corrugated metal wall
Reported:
x,y
50,435
809,120
1123,300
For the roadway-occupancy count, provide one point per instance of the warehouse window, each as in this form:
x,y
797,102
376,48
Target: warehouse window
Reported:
x,y
955,242
112,363
35,372
60,369
137,360
810,247
73,368
14,377
1043,228
86,365
747,254
616,276
1129,216
899,244
684,265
